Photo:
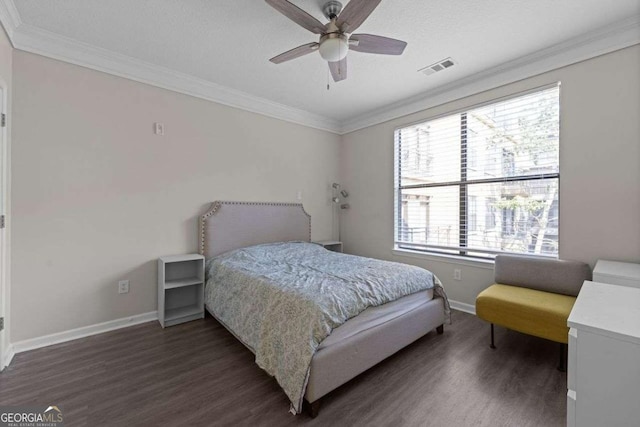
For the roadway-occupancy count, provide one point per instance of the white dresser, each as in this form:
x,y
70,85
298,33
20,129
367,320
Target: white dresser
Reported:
x,y
617,273
604,357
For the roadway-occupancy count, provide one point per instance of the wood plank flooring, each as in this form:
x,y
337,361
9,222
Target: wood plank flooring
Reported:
x,y
197,374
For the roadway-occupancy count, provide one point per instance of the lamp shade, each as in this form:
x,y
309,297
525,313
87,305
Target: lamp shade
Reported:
x,y
334,49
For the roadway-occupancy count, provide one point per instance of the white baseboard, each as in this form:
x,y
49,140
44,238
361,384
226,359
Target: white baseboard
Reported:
x,y
461,306
85,331
99,328
7,357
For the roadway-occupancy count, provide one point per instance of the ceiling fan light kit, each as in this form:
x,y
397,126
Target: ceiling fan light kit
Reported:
x,y
333,47
336,38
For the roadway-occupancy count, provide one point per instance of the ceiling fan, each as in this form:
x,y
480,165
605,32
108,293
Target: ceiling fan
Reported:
x,y
336,38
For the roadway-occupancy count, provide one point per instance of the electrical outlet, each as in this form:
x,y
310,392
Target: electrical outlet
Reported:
x,y
457,274
123,287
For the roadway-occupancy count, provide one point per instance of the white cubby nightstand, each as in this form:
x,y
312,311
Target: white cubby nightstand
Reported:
x,y
332,245
180,289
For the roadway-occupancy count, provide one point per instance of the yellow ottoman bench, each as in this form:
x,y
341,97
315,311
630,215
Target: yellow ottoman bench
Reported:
x,y
533,296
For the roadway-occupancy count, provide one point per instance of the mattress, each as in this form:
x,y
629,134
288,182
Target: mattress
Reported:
x,y
374,316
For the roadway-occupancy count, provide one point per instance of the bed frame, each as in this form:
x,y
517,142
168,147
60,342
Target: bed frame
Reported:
x,y
232,225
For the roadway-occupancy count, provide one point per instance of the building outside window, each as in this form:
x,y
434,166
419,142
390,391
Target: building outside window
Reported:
x,y
482,181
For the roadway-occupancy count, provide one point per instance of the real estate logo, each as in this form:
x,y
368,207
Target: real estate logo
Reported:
x,y
32,416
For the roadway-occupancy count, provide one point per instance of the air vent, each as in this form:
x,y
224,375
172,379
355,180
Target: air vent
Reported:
x,y
438,66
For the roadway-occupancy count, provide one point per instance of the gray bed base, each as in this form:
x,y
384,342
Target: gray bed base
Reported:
x,y
232,225
335,365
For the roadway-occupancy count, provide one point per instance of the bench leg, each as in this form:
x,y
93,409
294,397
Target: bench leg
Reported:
x,y
440,329
493,346
562,364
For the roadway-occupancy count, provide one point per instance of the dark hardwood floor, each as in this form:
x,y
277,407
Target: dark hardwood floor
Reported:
x,y
198,374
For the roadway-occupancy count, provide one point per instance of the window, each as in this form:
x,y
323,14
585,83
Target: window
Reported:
x,y
508,163
415,211
490,213
483,181
473,213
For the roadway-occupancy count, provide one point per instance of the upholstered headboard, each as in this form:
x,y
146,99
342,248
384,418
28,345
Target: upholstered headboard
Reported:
x,y
232,225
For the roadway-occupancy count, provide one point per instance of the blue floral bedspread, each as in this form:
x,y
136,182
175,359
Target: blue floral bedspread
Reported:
x,y
282,299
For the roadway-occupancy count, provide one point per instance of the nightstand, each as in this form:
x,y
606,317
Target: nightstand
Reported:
x,y
332,245
180,289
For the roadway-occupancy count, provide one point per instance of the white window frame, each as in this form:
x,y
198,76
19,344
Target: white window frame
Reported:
x,y
460,257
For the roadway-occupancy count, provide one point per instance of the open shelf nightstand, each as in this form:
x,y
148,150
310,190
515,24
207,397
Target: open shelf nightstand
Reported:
x,y
180,289
332,245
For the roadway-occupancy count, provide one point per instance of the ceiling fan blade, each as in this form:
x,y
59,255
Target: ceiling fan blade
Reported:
x,y
294,53
297,15
338,70
355,13
369,43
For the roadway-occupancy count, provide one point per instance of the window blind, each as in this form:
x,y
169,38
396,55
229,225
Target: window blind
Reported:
x,y
483,181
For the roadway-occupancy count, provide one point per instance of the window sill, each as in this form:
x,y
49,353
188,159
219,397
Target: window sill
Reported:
x,y
450,259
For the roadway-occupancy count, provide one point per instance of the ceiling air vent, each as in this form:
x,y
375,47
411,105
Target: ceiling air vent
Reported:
x,y
438,66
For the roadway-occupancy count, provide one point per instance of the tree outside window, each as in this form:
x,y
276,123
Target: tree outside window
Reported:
x,y
491,179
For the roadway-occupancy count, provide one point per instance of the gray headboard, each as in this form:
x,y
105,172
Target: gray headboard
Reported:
x,y
232,225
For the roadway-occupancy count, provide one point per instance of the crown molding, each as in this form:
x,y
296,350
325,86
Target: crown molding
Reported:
x,y
42,42
603,40
25,37
9,17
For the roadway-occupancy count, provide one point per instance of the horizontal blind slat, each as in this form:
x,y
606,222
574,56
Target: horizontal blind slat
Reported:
x,y
484,181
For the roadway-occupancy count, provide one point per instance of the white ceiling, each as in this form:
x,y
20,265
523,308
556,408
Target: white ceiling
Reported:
x,y
229,42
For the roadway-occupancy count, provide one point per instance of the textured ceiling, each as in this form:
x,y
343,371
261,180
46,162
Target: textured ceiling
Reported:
x,y
229,42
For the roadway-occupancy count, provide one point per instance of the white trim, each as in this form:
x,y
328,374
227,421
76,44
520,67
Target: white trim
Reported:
x,y
4,233
85,331
9,17
487,264
47,340
598,42
7,357
463,306
42,42
604,40
551,85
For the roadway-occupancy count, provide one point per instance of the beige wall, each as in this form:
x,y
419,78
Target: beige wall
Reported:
x,y
97,197
6,57
599,168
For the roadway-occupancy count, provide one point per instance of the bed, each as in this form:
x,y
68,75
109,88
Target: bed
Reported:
x,y
251,247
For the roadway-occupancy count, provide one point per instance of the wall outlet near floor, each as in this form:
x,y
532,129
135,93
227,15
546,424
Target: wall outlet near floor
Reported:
x,y
123,287
457,274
